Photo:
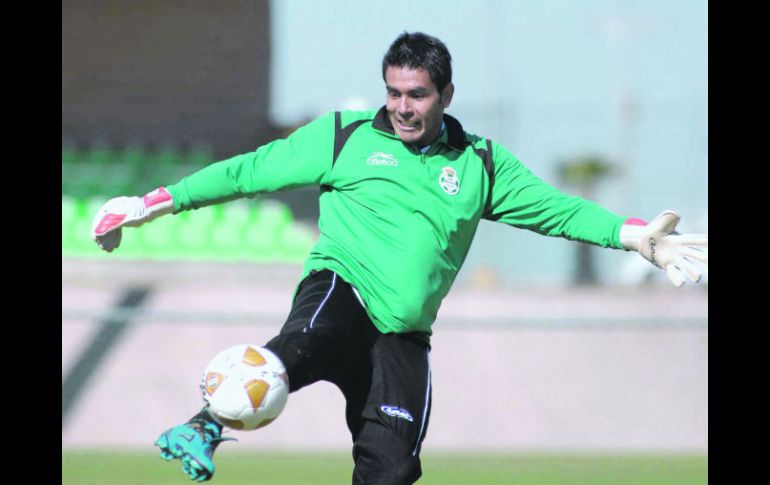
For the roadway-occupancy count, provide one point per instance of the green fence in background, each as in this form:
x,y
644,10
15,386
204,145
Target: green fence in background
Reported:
x,y
101,171
259,230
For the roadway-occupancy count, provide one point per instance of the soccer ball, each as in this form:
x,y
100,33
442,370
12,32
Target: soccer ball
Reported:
x,y
245,387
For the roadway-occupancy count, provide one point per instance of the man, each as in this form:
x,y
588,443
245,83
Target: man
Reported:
x,y
403,189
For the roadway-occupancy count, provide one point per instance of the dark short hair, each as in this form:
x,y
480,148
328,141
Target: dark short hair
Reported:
x,y
420,51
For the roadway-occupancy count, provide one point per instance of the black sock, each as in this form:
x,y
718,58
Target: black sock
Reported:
x,y
203,418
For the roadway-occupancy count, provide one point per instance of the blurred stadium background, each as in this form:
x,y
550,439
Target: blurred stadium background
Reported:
x,y
543,346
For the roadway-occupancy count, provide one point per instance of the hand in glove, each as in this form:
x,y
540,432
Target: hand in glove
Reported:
x,y
129,212
659,243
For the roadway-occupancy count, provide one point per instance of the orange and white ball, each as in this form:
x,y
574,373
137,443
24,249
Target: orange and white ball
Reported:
x,y
245,386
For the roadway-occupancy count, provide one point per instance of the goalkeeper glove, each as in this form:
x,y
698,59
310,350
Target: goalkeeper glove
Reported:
x,y
116,213
659,243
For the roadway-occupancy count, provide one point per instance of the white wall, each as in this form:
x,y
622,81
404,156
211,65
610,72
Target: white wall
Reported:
x,y
543,370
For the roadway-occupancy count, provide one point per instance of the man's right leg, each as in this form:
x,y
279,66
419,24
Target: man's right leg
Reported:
x,y
312,336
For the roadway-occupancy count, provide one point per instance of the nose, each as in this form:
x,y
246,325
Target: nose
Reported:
x,y
404,108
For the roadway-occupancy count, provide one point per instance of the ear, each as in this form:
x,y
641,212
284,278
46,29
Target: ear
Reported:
x,y
446,95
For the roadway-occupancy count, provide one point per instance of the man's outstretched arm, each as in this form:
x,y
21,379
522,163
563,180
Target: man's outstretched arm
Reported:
x,y
523,200
304,158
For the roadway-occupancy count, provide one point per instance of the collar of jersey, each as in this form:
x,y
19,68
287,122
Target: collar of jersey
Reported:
x,y
453,136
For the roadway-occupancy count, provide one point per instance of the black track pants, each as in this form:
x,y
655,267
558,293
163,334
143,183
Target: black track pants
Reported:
x,y
385,378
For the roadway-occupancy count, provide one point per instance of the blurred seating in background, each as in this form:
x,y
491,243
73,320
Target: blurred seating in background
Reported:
x,y
259,230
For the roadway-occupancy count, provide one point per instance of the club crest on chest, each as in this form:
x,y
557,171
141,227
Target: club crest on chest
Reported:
x,y
449,181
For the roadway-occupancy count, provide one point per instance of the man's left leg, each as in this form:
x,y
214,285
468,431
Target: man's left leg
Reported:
x,y
389,428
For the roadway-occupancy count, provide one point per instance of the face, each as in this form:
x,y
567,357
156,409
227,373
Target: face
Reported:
x,y
415,106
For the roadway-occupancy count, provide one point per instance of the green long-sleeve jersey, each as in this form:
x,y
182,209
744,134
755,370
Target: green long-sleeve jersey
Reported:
x,y
395,222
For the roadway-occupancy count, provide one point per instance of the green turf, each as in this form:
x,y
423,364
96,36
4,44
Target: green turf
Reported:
x,y
116,468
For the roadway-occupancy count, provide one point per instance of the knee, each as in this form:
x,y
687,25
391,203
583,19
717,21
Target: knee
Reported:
x,y
301,355
377,470
383,458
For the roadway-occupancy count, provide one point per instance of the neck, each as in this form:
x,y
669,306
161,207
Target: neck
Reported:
x,y
424,146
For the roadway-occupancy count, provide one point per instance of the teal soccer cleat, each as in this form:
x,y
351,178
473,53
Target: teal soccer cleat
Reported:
x,y
194,444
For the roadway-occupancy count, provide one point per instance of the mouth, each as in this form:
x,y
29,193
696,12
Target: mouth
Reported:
x,y
408,127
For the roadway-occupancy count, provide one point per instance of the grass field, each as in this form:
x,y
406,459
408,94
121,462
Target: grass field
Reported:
x,y
116,468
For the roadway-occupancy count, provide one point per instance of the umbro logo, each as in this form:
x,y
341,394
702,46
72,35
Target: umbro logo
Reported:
x,y
396,412
380,158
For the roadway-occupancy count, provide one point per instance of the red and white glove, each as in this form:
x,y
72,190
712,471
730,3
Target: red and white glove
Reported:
x,y
659,243
129,212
